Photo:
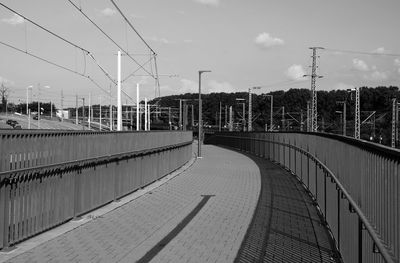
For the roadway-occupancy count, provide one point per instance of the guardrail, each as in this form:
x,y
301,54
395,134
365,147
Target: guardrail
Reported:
x,y
48,177
355,183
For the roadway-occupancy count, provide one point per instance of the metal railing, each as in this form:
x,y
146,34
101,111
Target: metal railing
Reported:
x,y
355,183
48,177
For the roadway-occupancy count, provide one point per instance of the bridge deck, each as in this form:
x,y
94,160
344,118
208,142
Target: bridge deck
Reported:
x,y
201,215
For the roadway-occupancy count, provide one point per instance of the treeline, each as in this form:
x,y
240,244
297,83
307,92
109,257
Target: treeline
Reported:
x,y
375,103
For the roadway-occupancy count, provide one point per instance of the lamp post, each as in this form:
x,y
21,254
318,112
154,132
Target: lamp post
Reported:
x,y
243,112
200,114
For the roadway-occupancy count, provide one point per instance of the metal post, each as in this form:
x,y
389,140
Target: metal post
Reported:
x,y
271,125
76,111
180,114
111,112
250,113
83,113
192,116
100,113
200,115
169,118
244,116
119,103
344,118
137,107
89,111
145,114
38,101
220,115
357,115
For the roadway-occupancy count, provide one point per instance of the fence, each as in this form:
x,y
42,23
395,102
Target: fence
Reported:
x,y
355,183
50,177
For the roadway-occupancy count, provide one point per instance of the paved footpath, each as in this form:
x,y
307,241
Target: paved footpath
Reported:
x,y
201,215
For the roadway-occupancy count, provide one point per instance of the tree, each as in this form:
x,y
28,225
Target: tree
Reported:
x,y
4,93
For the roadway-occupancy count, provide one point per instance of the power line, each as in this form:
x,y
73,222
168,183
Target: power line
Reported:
x,y
45,29
362,52
131,26
108,36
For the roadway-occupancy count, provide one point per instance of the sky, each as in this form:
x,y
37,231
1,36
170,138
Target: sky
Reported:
x,y
244,43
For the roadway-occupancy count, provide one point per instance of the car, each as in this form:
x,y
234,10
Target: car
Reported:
x,y
12,122
17,127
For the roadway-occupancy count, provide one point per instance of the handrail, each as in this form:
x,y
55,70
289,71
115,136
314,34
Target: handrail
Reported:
x,y
383,250
88,160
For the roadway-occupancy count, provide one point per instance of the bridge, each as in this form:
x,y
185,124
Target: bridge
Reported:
x,y
83,196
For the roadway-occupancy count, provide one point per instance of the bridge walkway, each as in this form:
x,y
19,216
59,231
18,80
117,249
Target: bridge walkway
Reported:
x,y
224,207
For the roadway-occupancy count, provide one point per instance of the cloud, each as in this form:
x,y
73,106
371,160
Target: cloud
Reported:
x,y
378,76
6,82
108,12
188,41
295,72
160,40
188,86
265,41
208,2
14,20
396,62
342,86
360,65
215,86
379,50
398,71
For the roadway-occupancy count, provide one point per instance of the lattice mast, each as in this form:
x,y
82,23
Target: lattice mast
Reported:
x,y
314,76
357,121
395,122
250,127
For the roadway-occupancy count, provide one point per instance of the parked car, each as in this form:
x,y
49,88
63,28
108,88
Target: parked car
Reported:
x,y
17,127
12,122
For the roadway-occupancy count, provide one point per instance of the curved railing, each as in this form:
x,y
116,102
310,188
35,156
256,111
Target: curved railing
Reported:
x,y
50,177
355,183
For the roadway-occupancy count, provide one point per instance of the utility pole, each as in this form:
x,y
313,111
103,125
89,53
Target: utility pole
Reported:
x,y
169,118
90,115
83,113
283,119
119,102
301,120
76,111
226,115
100,113
220,115
145,114
111,112
357,121
180,114
314,76
395,123
137,107
308,117
192,116
230,119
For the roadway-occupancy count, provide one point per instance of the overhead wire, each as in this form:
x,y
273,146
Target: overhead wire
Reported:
x,y
110,38
84,51
361,52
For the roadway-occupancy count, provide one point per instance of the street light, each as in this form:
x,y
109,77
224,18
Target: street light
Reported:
x,y
200,114
244,117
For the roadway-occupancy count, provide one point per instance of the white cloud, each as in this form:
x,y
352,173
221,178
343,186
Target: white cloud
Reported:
x,y
188,86
208,2
14,20
6,81
360,65
378,76
380,50
295,72
215,86
108,12
397,62
264,40
342,86
188,41
160,40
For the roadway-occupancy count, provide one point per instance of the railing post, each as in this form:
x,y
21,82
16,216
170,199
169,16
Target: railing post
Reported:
x,y
338,217
360,241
